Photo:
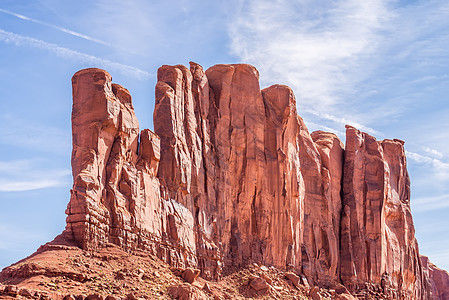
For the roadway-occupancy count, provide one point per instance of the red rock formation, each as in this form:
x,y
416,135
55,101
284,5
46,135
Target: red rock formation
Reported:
x,y
116,196
232,176
331,150
232,154
437,280
378,242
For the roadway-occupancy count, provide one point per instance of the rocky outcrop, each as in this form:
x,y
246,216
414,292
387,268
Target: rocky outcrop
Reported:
x,y
232,176
378,236
437,280
116,196
242,161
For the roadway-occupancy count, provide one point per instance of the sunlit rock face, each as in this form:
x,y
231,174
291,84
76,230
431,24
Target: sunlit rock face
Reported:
x,y
116,196
243,162
231,175
377,232
437,280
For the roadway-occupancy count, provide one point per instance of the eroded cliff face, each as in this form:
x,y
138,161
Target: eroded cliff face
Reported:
x,y
116,196
437,280
243,162
232,176
378,236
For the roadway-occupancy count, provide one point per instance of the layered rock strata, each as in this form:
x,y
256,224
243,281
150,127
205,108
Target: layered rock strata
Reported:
x,y
232,176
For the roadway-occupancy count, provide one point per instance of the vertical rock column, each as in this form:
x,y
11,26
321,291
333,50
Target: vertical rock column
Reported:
x,y
95,122
378,244
331,151
238,140
302,189
182,119
116,196
283,182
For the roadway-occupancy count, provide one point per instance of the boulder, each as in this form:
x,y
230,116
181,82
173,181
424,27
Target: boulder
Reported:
x,y
190,274
345,296
293,278
341,289
185,291
258,284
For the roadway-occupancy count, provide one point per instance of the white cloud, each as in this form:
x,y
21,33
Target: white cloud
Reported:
x,y
312,126
439,168
355,62
7,185
16,165
438,164
344,121
25,175
315,47
433,152
419,32
19,40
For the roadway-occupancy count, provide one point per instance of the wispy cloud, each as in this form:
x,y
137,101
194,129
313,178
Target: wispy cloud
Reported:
x,y
315,47
419,33
439,168
7,185
438,164
433,152
62,29
430,203
19,40
26,175
355,62
344,121
312,126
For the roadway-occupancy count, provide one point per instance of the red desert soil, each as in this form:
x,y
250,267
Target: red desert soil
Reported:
x,y
67,272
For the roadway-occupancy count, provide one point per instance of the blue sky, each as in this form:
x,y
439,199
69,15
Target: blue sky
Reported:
x,y
382,66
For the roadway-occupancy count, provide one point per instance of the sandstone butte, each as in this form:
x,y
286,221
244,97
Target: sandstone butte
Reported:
x,y
231,176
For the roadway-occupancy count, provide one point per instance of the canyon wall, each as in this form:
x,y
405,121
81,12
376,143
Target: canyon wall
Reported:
x,y
232,176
